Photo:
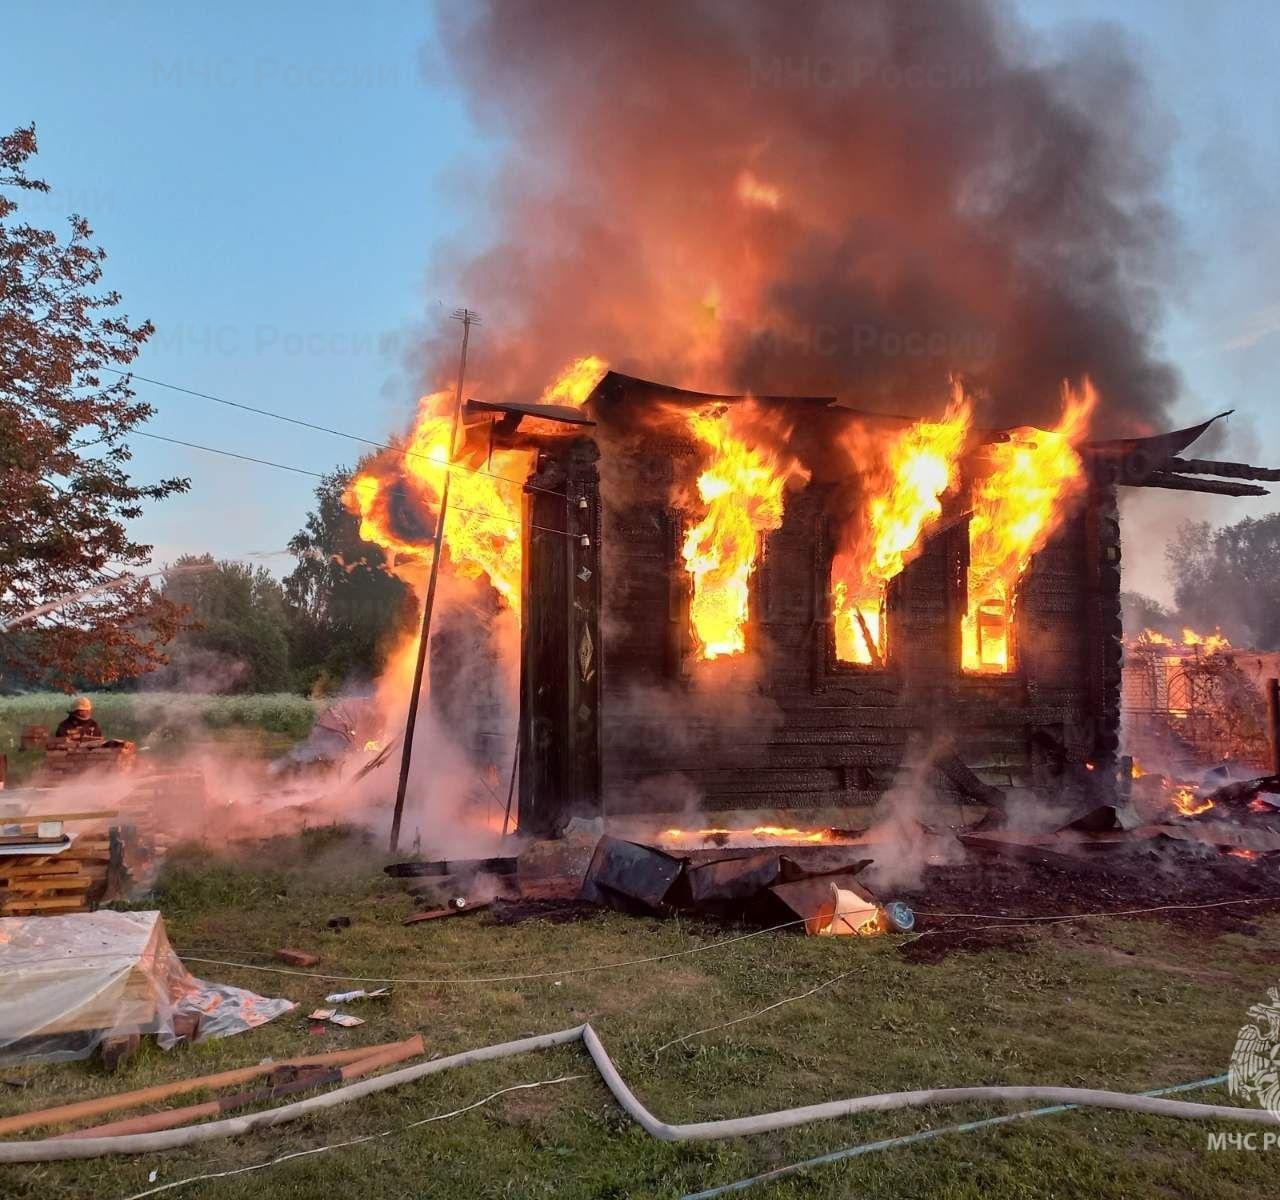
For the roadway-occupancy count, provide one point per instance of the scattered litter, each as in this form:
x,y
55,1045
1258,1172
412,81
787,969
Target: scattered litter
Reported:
x,y
358,994
153,1176
452,910
297,958
334,1017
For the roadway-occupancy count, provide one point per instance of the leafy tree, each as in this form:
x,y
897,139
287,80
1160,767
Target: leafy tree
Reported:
x,y
1230,577
1145,612
65,493
238,639
347,609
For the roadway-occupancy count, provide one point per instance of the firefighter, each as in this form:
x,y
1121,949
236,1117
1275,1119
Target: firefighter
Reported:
x,y
79,722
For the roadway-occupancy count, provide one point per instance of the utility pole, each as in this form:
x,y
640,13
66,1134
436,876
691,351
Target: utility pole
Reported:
x,y
468,318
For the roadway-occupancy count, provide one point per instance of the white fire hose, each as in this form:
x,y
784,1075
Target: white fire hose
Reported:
x,y
54,1149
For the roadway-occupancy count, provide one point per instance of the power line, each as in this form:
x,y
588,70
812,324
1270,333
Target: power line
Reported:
x,y
263,462
275,416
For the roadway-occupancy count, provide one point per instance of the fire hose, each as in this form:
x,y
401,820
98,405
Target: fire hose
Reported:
x,y
58,1148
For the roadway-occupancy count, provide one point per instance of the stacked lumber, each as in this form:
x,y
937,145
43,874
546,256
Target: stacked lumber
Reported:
x,y
54,876
34,737
67,757
154,797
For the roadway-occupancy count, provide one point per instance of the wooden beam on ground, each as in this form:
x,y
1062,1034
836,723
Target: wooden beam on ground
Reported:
x,y
66,1113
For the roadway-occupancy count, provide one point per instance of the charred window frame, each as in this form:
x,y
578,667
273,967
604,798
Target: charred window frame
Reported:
x,y
682,645
832,666
1009,619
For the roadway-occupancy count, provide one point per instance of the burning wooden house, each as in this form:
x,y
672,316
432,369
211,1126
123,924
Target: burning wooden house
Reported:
x,y
768,603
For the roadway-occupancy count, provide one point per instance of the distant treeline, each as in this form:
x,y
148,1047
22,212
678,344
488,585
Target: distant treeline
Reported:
x,y
329,622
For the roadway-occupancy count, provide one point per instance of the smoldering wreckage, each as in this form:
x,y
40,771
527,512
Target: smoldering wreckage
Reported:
x,y
766,660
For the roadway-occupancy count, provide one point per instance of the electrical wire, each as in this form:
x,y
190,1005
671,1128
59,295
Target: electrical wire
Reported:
x,y
1121,912
632,962
813,991
271,1162
186,956
263,462
37,959
275,416
709,946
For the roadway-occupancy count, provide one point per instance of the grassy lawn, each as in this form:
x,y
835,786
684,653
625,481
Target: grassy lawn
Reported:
x,y
1129,1004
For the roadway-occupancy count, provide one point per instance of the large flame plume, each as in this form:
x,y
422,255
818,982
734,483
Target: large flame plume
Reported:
x,y
905,478
741,488
397,494
1016,508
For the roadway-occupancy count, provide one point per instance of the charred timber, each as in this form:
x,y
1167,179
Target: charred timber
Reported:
x,y
1225,470
1210,487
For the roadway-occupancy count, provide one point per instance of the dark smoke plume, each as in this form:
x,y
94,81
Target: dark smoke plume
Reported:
x,y
827,197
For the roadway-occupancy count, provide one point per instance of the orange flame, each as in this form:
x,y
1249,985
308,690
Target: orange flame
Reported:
x,y
1188,803
576,382
779,833
742,489
1210,643
916,468
1015,510
397,495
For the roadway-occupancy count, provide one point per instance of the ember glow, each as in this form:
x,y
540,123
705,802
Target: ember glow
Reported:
x,y
916,468
760,833
397,495
741,489
1015,510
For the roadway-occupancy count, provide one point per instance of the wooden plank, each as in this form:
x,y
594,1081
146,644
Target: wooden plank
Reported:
x,y
25,871
41,886
24,907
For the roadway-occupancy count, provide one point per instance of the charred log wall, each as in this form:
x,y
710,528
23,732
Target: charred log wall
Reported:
x,y
789,726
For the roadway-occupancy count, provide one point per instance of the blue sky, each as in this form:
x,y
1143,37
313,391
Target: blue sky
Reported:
x,y
269,181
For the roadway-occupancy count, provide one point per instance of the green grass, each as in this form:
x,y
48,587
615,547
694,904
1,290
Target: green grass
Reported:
x,y
1127,1004
162,723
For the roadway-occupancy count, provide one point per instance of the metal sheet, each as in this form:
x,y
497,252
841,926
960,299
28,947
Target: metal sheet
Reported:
x,y
631,871
733,878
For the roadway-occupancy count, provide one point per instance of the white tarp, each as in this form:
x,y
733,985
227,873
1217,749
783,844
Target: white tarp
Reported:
x,y
66,982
